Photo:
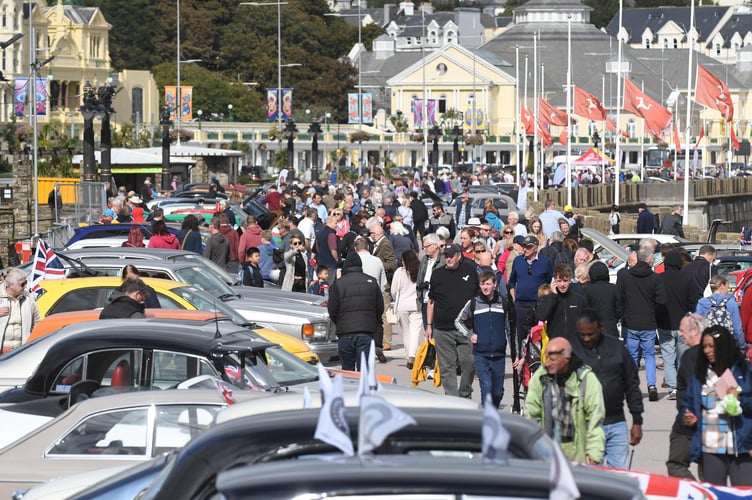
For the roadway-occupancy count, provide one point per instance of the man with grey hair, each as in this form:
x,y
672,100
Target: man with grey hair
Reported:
x,y
700,271
513,221
640,290
672,223
432,244
557,252
680,440
582,256
18,310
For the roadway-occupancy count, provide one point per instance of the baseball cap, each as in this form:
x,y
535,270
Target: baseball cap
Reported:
x,y
530,241
519,239
452,249
567,208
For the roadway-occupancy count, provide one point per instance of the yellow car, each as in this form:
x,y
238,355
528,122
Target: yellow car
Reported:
x,y
87,294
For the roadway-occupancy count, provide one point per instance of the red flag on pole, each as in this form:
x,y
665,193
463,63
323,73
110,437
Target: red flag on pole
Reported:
x,y
545,136
734,140
702,134
526,117
677,141
713,93
587,105
550,115
610,125
638,103
563,137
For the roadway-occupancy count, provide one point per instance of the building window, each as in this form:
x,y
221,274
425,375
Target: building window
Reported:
x,y
592,128
647,43
450,37
95,43
676,43
137,105
408,41
5,17
442,103
665,43
632,128
718,49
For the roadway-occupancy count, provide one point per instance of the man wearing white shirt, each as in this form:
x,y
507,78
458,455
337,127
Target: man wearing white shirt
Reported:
x,y
550,218
307,227
513,221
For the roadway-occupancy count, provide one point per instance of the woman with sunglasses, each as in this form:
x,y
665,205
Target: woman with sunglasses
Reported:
x,y
718,406
296,267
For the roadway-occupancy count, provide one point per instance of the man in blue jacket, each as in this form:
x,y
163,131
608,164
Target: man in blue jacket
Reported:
x,y
483,321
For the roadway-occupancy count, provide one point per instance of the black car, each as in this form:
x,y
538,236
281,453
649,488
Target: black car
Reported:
x,y
288,435
138,354
420,476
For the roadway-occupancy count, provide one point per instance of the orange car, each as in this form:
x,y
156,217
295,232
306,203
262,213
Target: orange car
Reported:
x,y
55,322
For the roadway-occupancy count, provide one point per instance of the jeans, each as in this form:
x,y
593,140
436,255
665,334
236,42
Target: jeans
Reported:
x,y
490,377
350,347
617,445
669,344
451,345
643,340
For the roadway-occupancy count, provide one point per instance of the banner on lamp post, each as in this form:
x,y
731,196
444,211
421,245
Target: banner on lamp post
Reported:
x,y
171,100
21,93
286,104
186,103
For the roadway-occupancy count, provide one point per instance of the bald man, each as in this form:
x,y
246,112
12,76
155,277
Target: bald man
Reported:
x,y
575,421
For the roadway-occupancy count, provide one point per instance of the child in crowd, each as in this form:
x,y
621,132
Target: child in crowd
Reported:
x,y
320,285
251,270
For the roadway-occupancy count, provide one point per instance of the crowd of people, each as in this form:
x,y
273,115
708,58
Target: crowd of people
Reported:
x,y
482,288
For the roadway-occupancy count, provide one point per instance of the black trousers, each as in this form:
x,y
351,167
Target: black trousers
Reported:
x,y
679,446
716,468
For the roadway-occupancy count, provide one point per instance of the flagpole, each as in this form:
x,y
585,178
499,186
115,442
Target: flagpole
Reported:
x,y
619,105
535,114
524,142
569,108
704,151
517,107
542,157
685,218
603,124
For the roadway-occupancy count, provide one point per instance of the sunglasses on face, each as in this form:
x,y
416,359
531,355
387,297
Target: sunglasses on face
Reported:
x,y
508,232
294,243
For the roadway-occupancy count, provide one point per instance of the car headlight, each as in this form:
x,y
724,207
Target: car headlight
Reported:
x,y
314,332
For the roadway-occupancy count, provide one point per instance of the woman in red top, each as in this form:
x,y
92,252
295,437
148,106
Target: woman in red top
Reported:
x,y
162,238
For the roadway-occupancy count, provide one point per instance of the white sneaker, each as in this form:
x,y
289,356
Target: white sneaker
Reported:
x,y
430,374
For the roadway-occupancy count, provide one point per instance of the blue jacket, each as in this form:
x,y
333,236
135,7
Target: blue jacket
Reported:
x,y
526,283
703,306
487,319
741,425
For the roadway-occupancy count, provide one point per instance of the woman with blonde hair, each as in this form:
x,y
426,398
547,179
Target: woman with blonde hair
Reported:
x,y
536,229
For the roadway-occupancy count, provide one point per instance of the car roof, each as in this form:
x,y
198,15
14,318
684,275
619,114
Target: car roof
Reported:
x,y
123,252
291,433
106,230
192,337
102,281
106,261
422,475
294,400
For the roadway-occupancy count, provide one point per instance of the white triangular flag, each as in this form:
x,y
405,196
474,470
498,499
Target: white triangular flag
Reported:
x,y
378,419
372,367
332,426
363,383
306,397
325,382
563,485
495,437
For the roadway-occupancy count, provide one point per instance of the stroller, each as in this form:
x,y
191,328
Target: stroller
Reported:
x,y
530,353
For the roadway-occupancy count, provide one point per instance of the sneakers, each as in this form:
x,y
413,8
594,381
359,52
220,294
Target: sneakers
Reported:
x,y
380,355
387,347
672,395
429,375
652,393
410,363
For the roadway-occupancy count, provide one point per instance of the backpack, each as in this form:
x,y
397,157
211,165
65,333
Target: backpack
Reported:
x,y
719,315
278,256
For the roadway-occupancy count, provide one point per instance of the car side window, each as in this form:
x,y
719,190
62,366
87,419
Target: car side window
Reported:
x,y
178,424
81,299
122,432
170,368
166,302
109,368
501,204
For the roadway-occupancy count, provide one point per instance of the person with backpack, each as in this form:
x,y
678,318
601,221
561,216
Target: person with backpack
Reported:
x,y
721,309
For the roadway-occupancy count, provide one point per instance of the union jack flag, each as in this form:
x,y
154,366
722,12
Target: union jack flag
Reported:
x,y
46,266
743,241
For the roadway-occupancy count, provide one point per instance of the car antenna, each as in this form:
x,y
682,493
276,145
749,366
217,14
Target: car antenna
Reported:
x,y
217,334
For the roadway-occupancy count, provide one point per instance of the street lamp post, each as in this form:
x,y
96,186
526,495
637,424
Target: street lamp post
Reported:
x,y
596,139
434,134
229,112
315,131
456,134
88,109
200,113
164,120
105,94
290,131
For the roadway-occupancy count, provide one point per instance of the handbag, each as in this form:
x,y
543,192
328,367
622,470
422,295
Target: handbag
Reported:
x,y
391,315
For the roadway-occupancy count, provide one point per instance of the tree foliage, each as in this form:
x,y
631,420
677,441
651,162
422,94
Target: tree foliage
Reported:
x,y
238,44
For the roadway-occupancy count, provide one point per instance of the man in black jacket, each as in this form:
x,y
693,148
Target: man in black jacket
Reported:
x,y
640,291
451,286
355,305
617,374
127,303
561,308
680,440
420,214
700,271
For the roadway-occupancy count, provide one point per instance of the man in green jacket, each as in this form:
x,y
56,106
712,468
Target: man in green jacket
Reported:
x,y
566,399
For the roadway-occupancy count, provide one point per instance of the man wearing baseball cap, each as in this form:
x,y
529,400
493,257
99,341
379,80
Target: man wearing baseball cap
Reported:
x,y
529,271
451,287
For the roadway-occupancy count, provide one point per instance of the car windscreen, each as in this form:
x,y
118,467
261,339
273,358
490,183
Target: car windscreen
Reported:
x,y
218,271
201,279
202,301
289,369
